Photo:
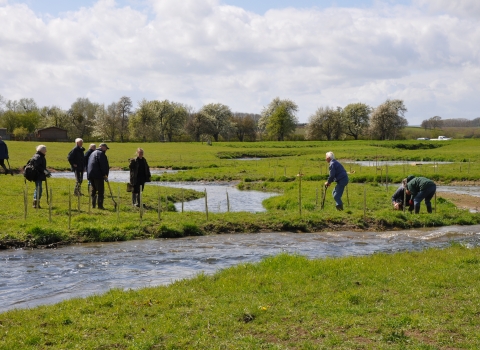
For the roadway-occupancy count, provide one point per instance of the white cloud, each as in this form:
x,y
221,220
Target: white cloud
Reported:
x,y
198,51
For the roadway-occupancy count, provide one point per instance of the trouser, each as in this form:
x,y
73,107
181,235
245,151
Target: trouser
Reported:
x,y
78,184
2,164
98,191
426,194
338,191
37,194
136,193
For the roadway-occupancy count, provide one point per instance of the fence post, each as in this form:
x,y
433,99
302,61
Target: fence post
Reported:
x,y
386,176
89,199
183,199
206,204
299,175
69,208
316,198
25,200
365,202
118,204
50,207
140,199
228,203
159,205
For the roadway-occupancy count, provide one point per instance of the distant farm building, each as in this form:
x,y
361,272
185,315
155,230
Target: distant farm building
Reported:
x,y
51,134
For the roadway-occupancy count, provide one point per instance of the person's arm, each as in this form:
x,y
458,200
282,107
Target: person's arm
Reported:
x,y
6,151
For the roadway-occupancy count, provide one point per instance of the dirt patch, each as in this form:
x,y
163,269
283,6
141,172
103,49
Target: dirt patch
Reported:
x,y
462,201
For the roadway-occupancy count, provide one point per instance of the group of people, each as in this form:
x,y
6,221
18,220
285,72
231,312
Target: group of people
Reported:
x,y
412,191
95,163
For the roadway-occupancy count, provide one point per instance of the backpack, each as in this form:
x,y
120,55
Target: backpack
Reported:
x,y
29,171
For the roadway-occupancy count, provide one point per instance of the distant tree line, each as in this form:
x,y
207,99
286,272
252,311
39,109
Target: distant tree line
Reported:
x,y
166,121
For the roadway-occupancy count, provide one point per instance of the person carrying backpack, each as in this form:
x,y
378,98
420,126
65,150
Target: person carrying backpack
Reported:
x,y
77,164
40,165
3,156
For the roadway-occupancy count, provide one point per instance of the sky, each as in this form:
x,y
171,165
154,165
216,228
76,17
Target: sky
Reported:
x,y
245,53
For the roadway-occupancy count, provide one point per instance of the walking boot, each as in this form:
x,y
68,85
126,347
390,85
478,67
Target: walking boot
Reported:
x,y
339,207
417,209
94,201
134,199
100,204
36,204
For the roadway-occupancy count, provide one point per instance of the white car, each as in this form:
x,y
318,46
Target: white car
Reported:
x,y
423,139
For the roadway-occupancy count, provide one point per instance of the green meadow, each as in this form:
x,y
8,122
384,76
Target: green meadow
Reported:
x,y
411,300
294,170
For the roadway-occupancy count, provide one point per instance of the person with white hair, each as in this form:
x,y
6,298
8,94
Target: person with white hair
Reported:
x,y
40,165
77,165
338,174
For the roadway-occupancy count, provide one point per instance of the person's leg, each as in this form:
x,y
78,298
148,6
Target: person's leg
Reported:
x,y
338,193
78,184
417,200
100,183
429,193
2,164
93,192
37,194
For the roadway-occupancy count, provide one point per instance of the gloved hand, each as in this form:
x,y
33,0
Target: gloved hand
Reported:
x,y
47,173
105,178
410,202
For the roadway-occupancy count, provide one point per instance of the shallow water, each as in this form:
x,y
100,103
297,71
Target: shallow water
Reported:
x,y
247,201
34,277
389,162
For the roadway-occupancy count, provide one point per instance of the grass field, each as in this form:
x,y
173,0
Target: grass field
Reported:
x,y
412,300
367,201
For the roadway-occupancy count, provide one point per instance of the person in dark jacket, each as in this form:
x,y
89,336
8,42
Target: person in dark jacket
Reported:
x,y
421,188
339,175
139,174
3,156
76,160
97,173
400,196
90,150
40,165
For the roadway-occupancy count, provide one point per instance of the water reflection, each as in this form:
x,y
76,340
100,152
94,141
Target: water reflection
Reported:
x,y
390,162
33,277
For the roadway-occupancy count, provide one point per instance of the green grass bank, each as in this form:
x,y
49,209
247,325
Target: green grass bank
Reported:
x,y
409,300
296,208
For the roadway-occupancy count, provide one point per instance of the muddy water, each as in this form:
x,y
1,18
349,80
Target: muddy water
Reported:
x,y
34,277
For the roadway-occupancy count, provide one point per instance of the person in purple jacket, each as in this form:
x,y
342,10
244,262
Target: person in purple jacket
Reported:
x,y
339,175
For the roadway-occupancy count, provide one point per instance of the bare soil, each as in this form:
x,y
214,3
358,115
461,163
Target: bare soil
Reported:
x,y
462,201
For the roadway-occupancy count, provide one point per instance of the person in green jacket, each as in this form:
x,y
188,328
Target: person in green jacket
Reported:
x,y
421,188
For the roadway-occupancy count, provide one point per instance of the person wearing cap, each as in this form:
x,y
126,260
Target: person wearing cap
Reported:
x,y
3,155
97,173
338,174
421,188
400,196
76,160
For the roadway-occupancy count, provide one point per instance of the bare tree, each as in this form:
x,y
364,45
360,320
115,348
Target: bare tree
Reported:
x,y
124,109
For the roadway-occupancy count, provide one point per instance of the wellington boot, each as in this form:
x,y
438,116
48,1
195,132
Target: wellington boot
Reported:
x,y
36,204
94,201
339,207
